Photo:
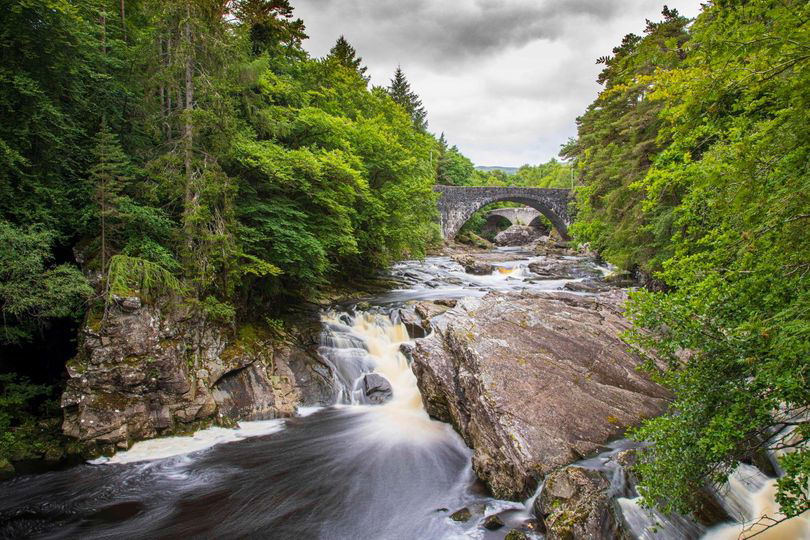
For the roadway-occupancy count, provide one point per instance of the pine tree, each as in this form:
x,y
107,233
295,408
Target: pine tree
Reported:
x,y
346,55
400,90
109,175
271,24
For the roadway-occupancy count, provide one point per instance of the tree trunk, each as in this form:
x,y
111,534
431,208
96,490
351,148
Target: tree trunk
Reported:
x,y
188,130
123,22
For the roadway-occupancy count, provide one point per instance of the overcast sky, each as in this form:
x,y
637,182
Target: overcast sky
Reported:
x,y
503,79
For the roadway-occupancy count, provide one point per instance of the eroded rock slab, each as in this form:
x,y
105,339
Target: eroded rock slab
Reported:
x,y
533,381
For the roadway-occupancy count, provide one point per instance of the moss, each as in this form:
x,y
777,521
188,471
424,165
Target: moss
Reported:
x,y
94,319
111,401
188,428
6,469
462,515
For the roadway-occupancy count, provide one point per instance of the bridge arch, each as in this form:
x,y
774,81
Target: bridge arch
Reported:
x,y
457,204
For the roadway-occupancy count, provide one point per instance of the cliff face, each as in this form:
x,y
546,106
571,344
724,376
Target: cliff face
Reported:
x,y
161,369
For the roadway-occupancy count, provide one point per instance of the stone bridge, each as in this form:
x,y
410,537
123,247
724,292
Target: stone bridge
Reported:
x,y
524,215
457,204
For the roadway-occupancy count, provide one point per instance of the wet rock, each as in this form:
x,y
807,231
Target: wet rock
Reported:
x,y
515,534
413,323
429,310
474,266
377,389
533,381
474,240
575,503
462,515
587,286
517,235
448,302
493,522
557,268
620,278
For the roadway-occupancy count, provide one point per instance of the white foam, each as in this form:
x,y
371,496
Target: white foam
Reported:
x,y
166,447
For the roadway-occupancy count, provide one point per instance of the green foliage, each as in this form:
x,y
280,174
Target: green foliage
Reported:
x,y
552,174
618,140
194,148
400,90
218,311
32,290
346,55
22,434
454,168
695,161
133,276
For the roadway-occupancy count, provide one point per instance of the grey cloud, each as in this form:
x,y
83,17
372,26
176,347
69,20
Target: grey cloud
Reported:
x,y
504,79
464,30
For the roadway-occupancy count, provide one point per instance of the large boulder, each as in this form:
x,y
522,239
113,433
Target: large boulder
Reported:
x,y
575,503
559,268
517,235
159,368
533,381
377,389
474,266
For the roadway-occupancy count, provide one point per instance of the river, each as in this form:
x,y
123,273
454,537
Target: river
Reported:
x,y
353,470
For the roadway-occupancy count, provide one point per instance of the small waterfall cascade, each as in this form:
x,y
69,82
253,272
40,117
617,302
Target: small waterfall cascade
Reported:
x,y
749,497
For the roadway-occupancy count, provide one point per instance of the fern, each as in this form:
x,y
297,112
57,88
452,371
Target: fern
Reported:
x,y
128,276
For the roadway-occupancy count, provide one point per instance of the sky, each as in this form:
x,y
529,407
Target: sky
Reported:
x,y
503,79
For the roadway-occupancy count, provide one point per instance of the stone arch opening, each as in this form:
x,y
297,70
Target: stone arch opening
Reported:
x,y
494,224
541,223
557,222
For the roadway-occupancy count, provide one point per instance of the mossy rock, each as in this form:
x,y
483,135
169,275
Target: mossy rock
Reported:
x,y
6,469
515,534
462,515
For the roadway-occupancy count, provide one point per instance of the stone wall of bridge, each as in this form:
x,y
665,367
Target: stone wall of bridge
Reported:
x,y
457,204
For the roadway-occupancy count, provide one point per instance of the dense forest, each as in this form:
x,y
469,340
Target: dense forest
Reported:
x,y
695,162
194,148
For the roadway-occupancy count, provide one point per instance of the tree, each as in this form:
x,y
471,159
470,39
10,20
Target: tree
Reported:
x,y
271,25
32,290
108,176
346,56
400,90
454,169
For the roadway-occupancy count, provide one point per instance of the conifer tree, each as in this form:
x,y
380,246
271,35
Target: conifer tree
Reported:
x,y
400,90
271,24
346,55
109,174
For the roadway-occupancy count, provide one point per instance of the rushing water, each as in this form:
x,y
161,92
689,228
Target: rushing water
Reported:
x,y
352,470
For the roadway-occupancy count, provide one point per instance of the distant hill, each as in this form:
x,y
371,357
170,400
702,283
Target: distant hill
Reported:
x,y
507,170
